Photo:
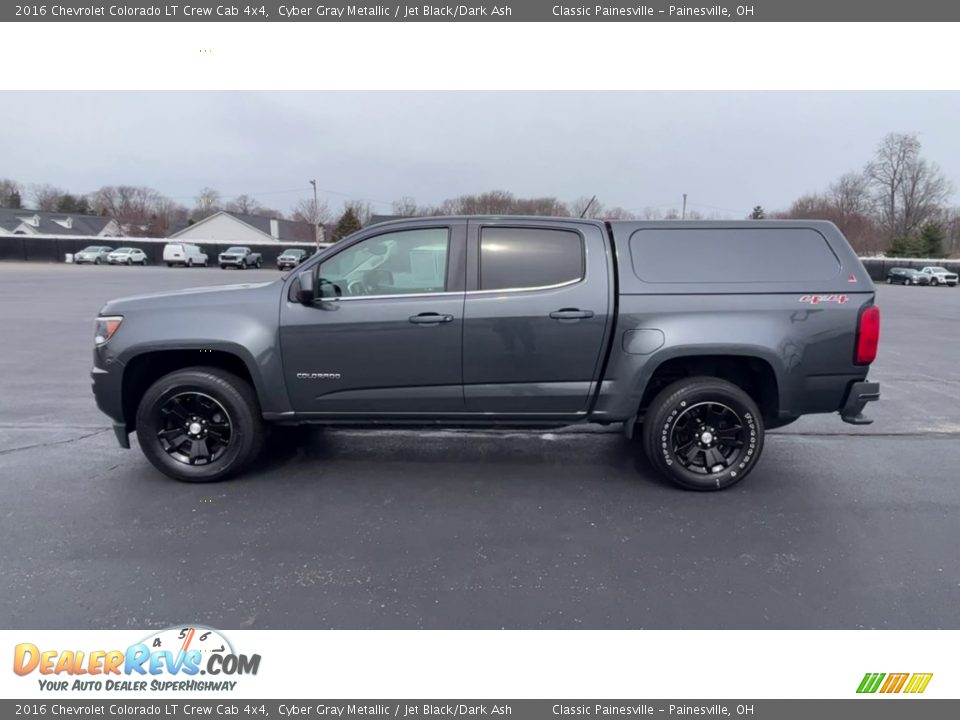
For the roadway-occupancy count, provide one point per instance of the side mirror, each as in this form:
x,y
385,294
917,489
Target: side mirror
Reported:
x,y
306,293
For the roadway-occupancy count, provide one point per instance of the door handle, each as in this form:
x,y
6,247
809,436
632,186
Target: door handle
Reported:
x,y
571,314
430,319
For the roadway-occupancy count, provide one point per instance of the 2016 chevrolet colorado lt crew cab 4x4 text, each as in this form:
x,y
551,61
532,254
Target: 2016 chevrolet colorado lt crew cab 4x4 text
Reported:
x,y
698,336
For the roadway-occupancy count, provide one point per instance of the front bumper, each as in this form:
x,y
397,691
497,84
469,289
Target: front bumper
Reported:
x,y
859,395
107,385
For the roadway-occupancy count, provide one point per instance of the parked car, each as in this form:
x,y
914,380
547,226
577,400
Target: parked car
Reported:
x,y
127,256
95,254
940,275
547,322
240,258
291,258
907,276
184,254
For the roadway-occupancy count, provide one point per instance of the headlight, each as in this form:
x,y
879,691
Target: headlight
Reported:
x,y
106,327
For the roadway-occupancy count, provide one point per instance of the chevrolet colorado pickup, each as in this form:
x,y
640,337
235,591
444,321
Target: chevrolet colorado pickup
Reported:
x,y
697,337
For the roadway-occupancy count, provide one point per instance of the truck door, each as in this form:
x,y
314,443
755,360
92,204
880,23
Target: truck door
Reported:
x,y
384,336
535,318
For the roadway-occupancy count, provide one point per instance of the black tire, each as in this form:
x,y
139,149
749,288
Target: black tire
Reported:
x,y
934,281
259,263
221,391
222,266
717,407
97,261
129,261
189,262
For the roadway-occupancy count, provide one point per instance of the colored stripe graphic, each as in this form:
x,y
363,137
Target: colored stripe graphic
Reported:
x,y
894,683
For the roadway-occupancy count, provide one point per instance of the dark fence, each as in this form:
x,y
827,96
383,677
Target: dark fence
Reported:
x,y
879,267
55,249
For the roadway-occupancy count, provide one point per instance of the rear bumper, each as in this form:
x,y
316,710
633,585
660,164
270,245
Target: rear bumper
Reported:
x,y
859,395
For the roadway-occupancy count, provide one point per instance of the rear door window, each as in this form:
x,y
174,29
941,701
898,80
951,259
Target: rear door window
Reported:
x,y
526,258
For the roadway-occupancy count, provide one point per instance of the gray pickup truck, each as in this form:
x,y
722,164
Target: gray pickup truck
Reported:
x,y
695,336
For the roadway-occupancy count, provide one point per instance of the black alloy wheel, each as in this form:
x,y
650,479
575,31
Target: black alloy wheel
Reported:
x,y
194,428
703,433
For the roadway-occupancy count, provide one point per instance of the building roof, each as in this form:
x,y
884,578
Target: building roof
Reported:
x,y
287,230
53,223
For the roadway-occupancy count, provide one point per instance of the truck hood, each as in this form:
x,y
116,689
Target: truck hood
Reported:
x,y
199,297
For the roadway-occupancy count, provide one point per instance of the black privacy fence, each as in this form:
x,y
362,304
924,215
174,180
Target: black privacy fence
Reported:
x,y
56,249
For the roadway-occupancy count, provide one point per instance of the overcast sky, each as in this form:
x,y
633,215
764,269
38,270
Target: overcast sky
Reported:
x,y
728,150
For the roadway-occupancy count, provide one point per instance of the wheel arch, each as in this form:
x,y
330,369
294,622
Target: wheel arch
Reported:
x,y
749,369
144,368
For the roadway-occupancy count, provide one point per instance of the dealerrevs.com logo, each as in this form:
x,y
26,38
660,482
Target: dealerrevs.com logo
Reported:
x,y
173,659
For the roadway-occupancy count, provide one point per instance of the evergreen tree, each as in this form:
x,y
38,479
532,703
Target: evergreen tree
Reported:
x,y
758,213
911,246
13,201
67,204
348,224
932,236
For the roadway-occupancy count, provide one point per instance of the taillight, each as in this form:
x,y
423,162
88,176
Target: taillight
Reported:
x,y
868,335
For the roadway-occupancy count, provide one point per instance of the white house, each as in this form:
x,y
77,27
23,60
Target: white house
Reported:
x,y
241,229
36,222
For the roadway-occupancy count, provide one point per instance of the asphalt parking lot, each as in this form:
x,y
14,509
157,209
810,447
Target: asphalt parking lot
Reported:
x,y
839,527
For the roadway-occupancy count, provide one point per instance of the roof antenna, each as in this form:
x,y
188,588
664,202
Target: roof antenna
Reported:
x,y
589,204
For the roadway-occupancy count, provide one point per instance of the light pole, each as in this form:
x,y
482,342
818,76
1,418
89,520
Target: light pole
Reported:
x,y
316,215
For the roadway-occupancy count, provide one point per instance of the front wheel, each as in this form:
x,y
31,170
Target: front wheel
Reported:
x,y
200,424
703,433
934,282
259,263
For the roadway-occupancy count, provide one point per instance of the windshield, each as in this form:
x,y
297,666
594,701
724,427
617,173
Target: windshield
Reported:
x,y
236,250
123,251
293,252
92,248
939,269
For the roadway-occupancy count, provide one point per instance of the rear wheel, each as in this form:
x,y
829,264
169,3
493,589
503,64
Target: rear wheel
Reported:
x,y
703,433
189,262
97,261
200,424
129,261
259,263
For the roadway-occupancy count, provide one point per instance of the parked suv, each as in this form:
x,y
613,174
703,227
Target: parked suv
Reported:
x,y
96,254
127,256
907,276
697,337
940,275
291,258
184,254
240,258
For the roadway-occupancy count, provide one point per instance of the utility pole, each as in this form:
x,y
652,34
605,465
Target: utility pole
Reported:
x,y
684,215
316,215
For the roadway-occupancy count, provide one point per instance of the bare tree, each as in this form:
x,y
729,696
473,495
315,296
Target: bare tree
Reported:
x,y
206,203
45,197
136,208
243,204
909,190
407,207
315,213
